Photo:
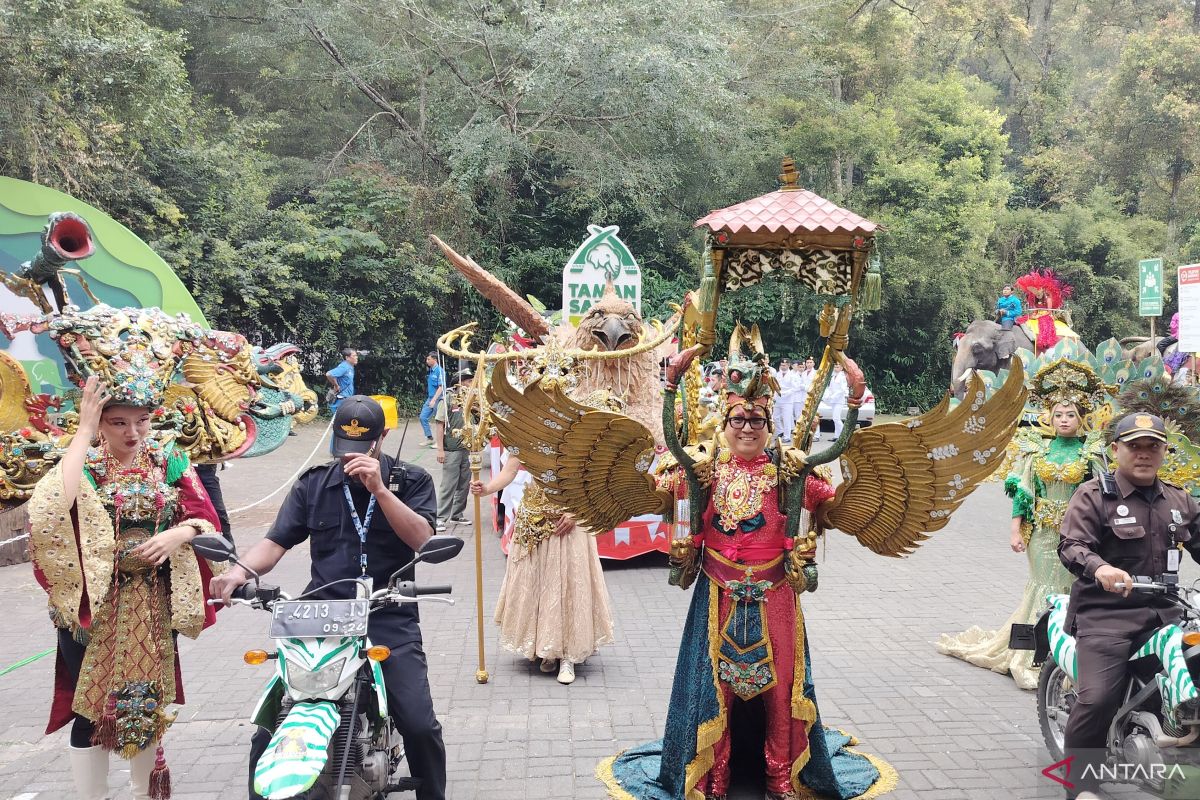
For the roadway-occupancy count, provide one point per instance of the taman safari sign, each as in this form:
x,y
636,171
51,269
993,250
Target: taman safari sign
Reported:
x,y
601,257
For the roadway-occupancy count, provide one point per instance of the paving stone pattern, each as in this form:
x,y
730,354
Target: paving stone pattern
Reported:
x,y
953,731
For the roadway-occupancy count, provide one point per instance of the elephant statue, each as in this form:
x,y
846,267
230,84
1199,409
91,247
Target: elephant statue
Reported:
x,y
985,345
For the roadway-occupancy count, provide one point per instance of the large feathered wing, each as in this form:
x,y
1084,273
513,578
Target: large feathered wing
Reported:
x,y
904,479
594,463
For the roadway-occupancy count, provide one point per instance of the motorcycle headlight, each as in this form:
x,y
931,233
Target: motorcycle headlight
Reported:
x,y
315,681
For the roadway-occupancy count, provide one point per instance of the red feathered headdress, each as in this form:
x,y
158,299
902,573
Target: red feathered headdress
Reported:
x,y
1053,289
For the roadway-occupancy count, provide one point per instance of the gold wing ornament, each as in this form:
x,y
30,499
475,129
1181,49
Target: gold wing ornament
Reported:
x,y
904,479
593,463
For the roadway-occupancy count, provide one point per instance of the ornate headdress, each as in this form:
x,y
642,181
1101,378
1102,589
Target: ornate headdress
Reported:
x,y
1068,381
135,352
1053,288
748,389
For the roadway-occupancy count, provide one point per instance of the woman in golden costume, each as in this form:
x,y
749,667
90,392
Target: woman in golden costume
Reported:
x,y
1045,472
110,532
553,604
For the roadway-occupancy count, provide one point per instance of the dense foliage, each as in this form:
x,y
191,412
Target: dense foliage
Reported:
x,y
290,161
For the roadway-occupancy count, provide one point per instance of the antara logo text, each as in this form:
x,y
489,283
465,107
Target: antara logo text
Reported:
x,y
1120,772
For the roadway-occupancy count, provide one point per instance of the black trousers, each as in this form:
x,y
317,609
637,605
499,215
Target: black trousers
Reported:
x,y
410,705
72,651
1102,664
212,484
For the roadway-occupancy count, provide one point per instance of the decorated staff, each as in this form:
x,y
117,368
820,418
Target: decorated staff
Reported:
x,y
474,434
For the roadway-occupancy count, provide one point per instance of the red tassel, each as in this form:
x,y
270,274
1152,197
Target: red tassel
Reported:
x,y
105,734
160,778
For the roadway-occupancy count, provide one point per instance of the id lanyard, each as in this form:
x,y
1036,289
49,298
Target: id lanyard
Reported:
x,y
360,525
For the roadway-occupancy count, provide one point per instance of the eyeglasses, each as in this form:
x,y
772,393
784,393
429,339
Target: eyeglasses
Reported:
x,y
755,423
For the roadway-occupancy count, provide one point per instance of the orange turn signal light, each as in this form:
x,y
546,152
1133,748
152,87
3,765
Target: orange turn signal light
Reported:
x,y
255,657
1191,638
378,652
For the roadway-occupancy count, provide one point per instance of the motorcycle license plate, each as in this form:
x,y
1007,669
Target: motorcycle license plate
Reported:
x,y
312,619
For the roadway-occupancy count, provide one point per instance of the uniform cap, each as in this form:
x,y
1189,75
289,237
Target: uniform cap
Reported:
x,y
358,423
1141,426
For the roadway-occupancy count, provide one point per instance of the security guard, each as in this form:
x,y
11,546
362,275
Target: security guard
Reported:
x,y
394,507
1118,526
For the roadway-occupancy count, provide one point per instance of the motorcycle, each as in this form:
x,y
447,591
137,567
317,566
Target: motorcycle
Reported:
x,y
326,704
1139,751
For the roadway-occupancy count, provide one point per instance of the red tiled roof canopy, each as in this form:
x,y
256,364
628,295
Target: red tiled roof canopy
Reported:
x,y
789,211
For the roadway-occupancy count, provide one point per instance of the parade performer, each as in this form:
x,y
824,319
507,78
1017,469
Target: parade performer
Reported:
x,y
553,604
110,528
1050,461
754,552
1044,295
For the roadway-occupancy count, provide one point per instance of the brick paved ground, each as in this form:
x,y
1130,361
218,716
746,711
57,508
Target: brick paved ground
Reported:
x,y
953,731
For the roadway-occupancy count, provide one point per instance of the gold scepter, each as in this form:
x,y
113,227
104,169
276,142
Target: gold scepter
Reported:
x,y
474,434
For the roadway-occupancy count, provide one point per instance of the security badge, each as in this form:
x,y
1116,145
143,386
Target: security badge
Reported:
x,y
1173,554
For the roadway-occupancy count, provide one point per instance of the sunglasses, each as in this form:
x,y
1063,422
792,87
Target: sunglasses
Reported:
x,y
755,423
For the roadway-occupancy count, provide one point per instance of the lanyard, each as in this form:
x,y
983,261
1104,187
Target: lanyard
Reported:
x,y
360,525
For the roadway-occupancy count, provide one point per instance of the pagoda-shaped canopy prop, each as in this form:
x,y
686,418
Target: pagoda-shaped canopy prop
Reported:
x,y
794,232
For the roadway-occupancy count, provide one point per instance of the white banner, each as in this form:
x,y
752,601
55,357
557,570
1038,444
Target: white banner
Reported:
x,y
1189,308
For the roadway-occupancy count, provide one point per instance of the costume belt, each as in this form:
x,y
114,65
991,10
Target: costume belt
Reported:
x,y
725,572
749,550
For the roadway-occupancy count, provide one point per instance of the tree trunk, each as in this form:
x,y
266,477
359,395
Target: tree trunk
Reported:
x,y
835,167
1176,175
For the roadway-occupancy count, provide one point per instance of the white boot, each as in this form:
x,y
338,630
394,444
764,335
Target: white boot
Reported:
x,y
139,772
89,768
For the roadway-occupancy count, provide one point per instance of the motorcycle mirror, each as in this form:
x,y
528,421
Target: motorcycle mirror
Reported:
x,y
214,548
440,548
218,548
435,550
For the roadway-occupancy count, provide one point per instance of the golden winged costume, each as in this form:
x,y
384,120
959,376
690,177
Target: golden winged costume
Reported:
x,y
754,541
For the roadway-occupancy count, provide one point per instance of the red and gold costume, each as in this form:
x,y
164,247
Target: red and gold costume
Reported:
x,y
757,610
125,609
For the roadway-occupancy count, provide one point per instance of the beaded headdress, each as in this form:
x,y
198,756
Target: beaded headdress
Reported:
x,y
135,352
1068,381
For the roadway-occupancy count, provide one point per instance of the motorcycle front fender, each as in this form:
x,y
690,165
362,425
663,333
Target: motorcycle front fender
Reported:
x,y
297,751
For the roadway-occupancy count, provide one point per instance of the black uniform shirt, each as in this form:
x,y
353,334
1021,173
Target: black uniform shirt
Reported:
x,y
316,510
1132,530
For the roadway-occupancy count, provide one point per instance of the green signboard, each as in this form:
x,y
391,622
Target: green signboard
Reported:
x,y
1150,287
601,259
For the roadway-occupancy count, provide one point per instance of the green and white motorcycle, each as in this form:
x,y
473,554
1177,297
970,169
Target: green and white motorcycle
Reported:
x,y
326,703
1148,746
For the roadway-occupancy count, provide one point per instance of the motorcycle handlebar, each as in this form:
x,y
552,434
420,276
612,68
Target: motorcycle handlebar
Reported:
x,y
442,589
244,592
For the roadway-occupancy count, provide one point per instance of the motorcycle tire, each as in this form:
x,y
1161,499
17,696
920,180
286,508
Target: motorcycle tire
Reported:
x,y
1051,694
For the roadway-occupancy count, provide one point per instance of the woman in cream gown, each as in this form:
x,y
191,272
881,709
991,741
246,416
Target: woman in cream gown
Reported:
x,y
553,604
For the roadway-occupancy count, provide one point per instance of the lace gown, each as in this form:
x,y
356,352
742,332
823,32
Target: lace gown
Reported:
x,y
553,603
1041,483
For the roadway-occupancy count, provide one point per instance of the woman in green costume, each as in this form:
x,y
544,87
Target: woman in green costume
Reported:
x,y
1045,473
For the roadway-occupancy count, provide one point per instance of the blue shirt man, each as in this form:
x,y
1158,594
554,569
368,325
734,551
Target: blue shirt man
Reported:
x,y
435,384
341,378
1008,308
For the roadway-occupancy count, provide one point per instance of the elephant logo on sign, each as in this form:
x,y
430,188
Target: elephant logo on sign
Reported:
x,y
604,257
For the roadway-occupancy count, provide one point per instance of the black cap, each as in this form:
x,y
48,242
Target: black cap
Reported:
x,y
1141,426
358,423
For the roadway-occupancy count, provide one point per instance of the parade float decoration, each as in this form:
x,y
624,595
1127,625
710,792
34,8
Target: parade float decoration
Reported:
x,y
90,290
